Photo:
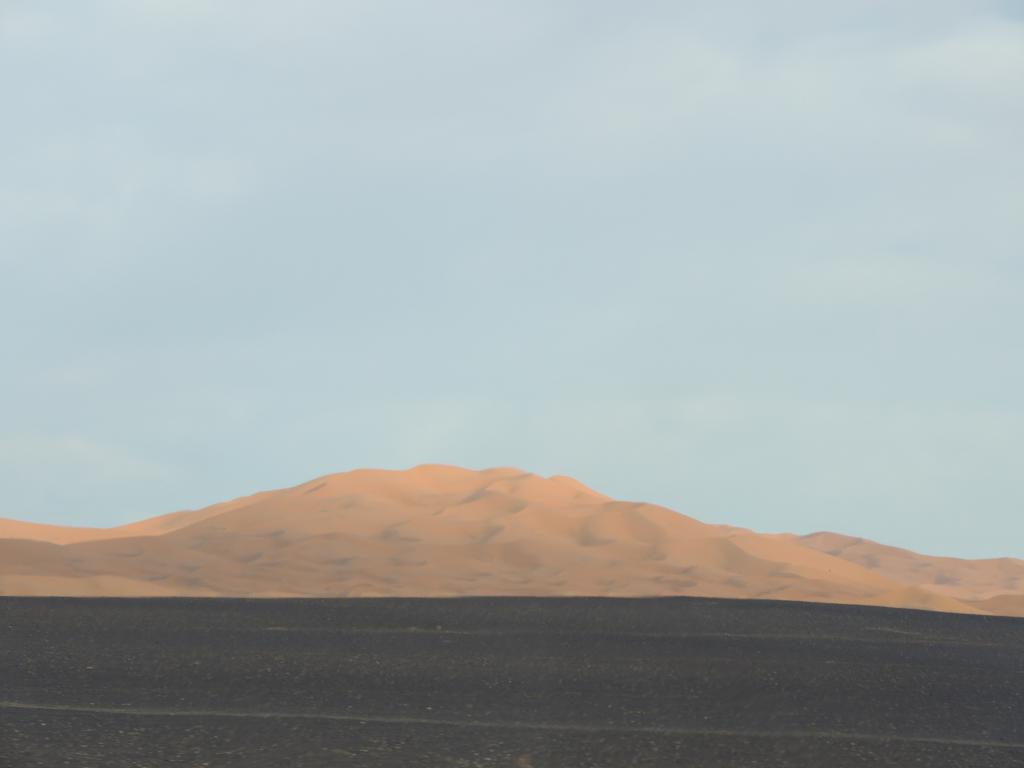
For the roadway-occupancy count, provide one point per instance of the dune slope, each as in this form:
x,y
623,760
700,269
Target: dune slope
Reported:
x,y
996,581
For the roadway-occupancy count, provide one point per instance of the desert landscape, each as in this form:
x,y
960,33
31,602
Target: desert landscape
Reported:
x,y
472,618
443,531
699,308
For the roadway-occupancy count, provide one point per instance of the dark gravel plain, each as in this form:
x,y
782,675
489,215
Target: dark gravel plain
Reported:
x,y
518,682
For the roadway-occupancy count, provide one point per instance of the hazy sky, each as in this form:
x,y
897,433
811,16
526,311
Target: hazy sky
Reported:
x,y
760,262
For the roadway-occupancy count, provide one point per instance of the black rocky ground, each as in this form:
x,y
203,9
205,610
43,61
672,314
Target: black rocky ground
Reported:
x,y
525,683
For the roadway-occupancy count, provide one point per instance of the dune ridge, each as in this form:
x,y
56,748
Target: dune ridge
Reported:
x,y
437,530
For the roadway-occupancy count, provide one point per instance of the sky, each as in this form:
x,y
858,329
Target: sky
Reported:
x,y
762,263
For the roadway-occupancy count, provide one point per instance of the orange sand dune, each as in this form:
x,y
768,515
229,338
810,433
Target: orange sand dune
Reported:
x,y
972,580
445,531
153,526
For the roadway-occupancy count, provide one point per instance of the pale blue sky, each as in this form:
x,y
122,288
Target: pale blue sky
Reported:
x,y
759,262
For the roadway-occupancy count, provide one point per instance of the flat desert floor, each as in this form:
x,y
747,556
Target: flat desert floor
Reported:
x,y
518,682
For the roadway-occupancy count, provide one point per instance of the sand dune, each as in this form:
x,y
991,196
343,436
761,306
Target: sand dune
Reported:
x,y
965,580
152,526
445,531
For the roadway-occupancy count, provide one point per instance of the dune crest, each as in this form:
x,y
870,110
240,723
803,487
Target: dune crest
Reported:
x,y
437,530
